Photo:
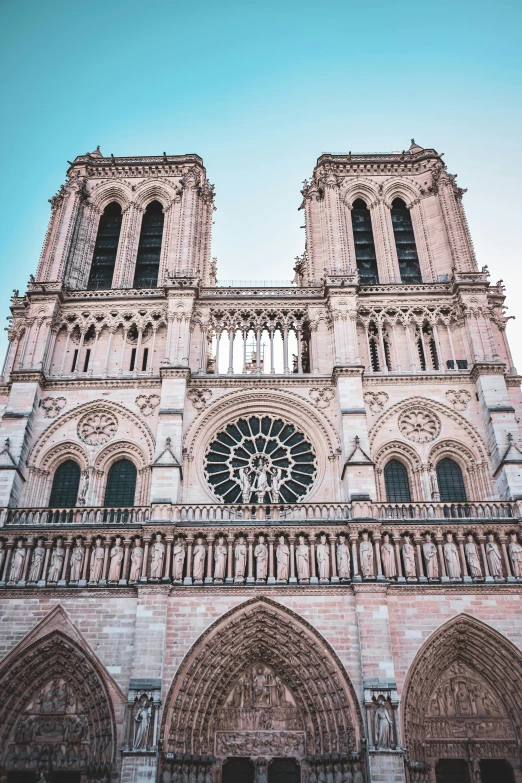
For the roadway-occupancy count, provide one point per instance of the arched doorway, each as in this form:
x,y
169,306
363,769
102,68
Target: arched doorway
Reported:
x,y
263,685
238,770
461,711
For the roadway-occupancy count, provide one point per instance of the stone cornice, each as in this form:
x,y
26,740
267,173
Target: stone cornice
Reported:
x,y
260,294
487,368
175,372
353,371
391,379
259,381
50,384
349,161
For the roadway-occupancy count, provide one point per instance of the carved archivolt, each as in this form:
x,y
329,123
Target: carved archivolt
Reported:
x,y
261,639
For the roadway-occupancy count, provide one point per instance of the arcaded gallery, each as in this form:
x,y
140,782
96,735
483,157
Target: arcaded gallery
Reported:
x,y
258,531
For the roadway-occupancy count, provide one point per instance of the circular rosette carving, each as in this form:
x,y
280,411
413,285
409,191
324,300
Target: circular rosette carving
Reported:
x,y
260,458
97,428
419,426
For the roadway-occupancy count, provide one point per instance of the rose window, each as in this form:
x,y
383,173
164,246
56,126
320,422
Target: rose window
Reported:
x,y
260,459
97,428
419,426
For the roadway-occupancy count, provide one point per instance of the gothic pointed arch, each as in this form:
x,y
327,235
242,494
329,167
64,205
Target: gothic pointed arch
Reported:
x,y
461,695
314,701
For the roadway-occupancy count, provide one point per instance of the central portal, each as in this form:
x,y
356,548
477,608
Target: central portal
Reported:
x,y
242,770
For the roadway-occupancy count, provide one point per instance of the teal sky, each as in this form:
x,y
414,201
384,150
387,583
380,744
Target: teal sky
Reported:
x,y
259,90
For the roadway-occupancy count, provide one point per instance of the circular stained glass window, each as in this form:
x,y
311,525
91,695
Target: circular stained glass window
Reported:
x,y
260,459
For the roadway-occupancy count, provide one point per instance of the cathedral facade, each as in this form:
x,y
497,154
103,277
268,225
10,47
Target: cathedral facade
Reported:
x,y
260,532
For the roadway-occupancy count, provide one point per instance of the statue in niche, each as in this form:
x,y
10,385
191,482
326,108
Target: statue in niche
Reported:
x,y
261,482
116,555
430,555
321,775
275,489
84,486
323,559
343,559
158,556
96,567
515,552
451,556
136,560
178,555
472,556
347,773
261,773
388,558
57,558
494,557
260,687
357,774
283,560
366,556
382,726
408,556
77,556
198,561
240,558
261,555
220,559
17,565
302,554
245,484
142,724
37,561
338,774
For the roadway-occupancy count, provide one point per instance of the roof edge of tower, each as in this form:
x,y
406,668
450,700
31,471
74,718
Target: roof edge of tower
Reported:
x,y
94,160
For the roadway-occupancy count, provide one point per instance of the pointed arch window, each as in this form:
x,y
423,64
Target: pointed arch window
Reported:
x,y
364,245
121,484
149,248
106,248
409,266
451,482
396,482
66,483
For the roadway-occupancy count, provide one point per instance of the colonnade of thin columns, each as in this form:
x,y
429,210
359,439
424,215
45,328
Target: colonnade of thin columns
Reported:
x,y
258,332
413,356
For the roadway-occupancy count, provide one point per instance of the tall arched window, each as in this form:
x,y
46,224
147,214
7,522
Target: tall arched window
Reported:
x,y
451,483
364,244
409,266
121,484
66,483
106,248
149,248
396,482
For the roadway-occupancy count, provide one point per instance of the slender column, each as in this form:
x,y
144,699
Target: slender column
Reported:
x,y
210,563
487,575
143,577
299,356
108,355
230,542
93,355
218,341
441,560
258,351
231,335
79,357
7,355
168,559
24,346
137,357
494,351
106,547
293,579
413,363
153,348
170,319
427,357
43,575
452,349
420,566
376,542
442,365
356,577
369,348
86,561
286,368
333,560
507,564
313,348
396,348
245,337
313,573
29,551
126,554
463,564
383,363
120,371
33,349
250,576
479,330
511,367
49,350
271,577
67,545
188,577
174,346
272,361
398,560
203,351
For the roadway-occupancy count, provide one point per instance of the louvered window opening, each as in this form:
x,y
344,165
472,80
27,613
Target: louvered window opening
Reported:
x,y
105,249
121,485
149,248
451,483
396,482
364,245
66,483
409,266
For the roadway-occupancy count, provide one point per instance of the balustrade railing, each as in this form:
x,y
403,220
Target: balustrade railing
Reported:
x,y
134,515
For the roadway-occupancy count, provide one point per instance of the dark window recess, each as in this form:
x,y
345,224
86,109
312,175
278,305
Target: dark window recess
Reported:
x,y
387,354
396,482
364,244
462,364
106,248
121,484
145,359
86,362
450,364
451,483
149,248
75,359
133,359
422,358
409,266
66,483
452,771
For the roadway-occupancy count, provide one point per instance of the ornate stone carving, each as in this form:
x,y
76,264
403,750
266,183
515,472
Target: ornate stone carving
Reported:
x,y
198,561
494,557
17,562
267,743
142,723
199,397
178,560
57,558
84,488
322,397
53,405
419,426
366,556
37,562
451,558
116,555
283,560
147,403
343,559
430,556
408,557
261,556
220,560
136,560
157,557
240,559
473,557
302,557
376,400
388,558
515,553
323,559
96,565
458,399
77,557
96,429
382,726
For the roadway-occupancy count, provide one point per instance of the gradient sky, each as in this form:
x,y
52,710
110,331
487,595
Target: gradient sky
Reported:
x,y
260,90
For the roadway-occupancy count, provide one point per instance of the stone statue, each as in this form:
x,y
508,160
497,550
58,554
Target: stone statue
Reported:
x,y
57,558
240,558
245,484
408,556
220,559
302,555
261,773
116,555
434,486
451,556
472,556
323,559
343,559
515,553
261,555
366,556
276,485
136,560
17,564
84,486
430,555
77,556
178,556
157,557
347,774
96,566
382,726
357,774
283,560
338,774
141,724
388,558
261,484
494,558
198,561
37,561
